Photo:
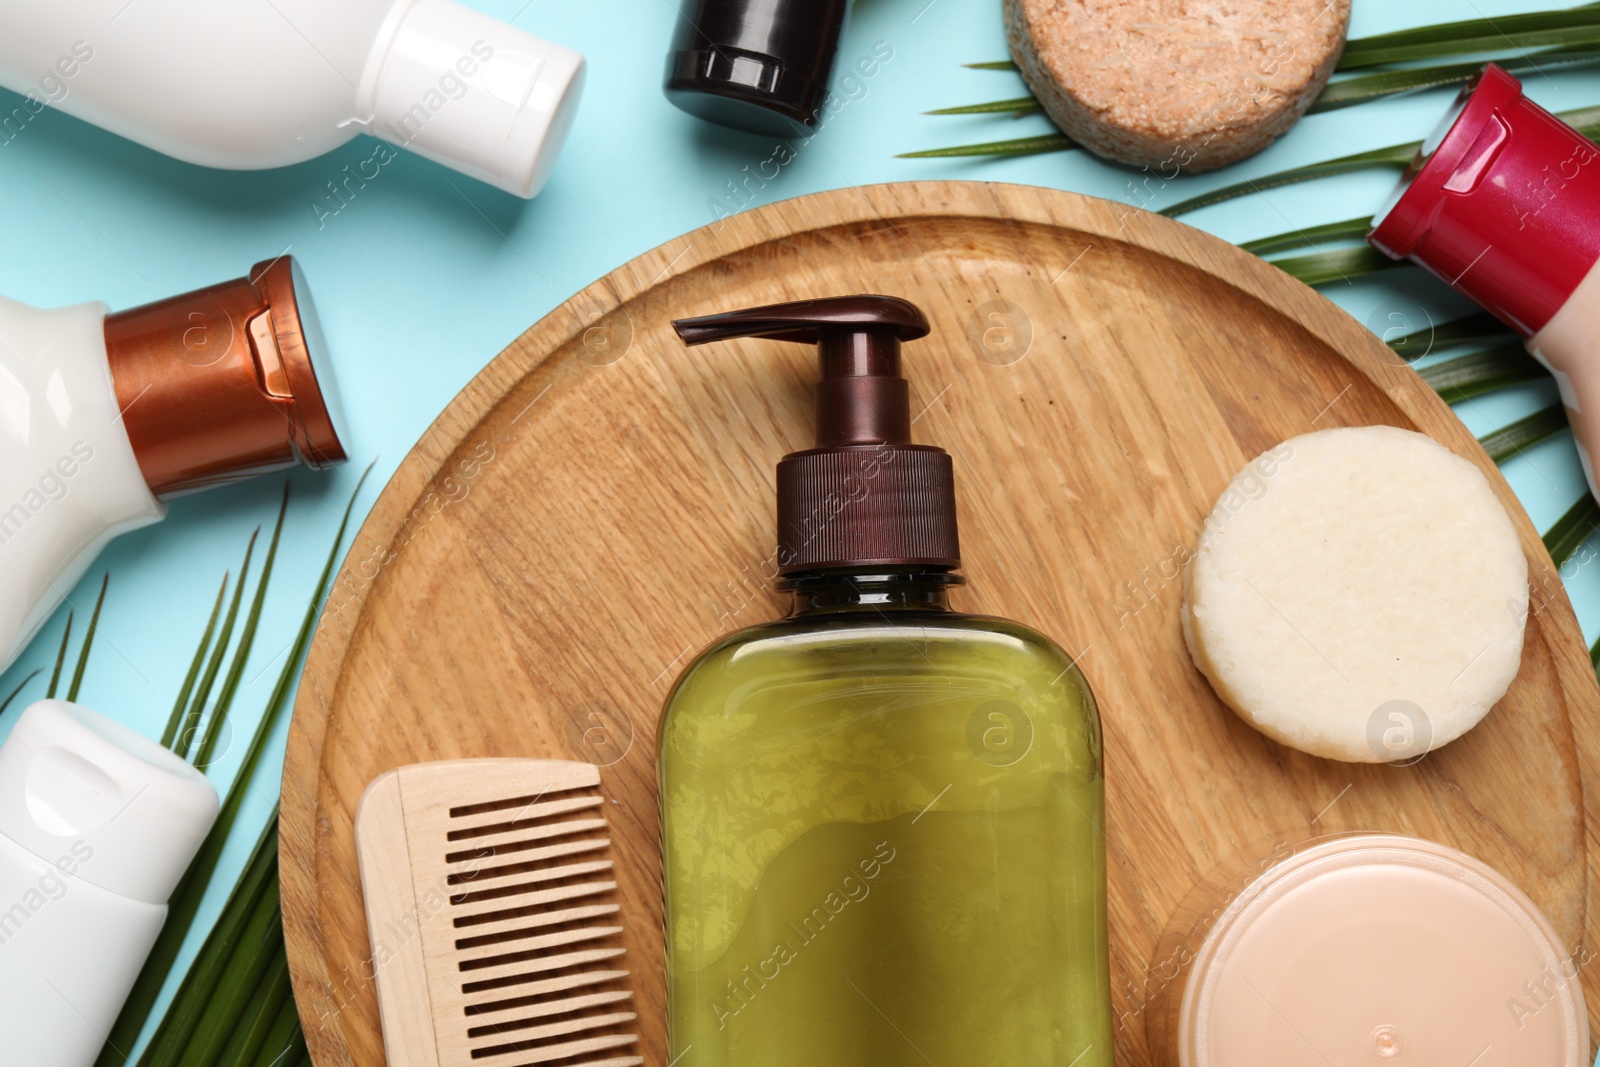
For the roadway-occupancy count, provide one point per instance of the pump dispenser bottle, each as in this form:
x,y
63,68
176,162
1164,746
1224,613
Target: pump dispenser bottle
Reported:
x,y
103,417
881,817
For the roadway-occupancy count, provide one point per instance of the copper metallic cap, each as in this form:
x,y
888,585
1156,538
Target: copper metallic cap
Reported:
x,y
221,383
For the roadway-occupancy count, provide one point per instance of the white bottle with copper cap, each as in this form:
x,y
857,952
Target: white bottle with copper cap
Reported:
x,y
246,84
97,825
103,416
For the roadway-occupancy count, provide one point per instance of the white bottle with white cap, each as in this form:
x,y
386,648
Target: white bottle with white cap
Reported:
x,y
97,825
247,84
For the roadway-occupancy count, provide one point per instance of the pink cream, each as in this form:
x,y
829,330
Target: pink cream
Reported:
x,y
1378,948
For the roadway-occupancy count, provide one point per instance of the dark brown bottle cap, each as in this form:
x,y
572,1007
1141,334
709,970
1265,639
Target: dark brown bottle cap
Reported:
x,y
755,65
865,495
221,383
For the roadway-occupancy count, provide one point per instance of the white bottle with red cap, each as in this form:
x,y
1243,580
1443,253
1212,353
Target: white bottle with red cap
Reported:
x,y
97,825
1503,203
251,84
104,416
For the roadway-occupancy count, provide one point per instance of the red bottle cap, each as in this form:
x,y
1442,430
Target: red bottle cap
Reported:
x,y
222,384
1502,202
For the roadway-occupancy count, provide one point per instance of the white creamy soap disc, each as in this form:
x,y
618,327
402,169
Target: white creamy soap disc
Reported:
x,y
1358,594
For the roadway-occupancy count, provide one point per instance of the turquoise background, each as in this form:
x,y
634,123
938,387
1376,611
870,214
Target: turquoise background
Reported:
x,y
425,275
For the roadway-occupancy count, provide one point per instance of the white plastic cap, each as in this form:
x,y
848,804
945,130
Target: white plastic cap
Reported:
x,y
77,788
476,94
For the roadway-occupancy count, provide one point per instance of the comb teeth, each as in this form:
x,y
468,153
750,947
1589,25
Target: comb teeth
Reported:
x,y
524,955
531,909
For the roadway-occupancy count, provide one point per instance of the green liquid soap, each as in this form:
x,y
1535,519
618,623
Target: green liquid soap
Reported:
x,y
883,847
881,819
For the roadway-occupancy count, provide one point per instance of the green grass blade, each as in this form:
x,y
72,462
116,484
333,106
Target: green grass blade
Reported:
x,y
175,720
998,64
247,639
1017,106
1394,156
1336,265
1572,530
197,705
261,1010
1537,29
88,641
1471,329
1349,229
188,1003
187,897
281,1039
1508,441
1022,146
61,659
1482,372
31,675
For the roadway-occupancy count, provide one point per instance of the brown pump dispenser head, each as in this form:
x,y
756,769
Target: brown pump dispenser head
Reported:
x,y
221,383
865,496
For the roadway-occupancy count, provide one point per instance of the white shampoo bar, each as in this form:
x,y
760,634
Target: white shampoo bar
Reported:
x,y
1358,594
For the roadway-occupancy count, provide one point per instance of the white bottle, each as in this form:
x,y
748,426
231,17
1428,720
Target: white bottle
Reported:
x,y
103,416
97,825
1502,201
250,84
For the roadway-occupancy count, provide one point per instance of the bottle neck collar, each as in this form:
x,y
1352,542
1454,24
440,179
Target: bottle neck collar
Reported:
x,y
875,589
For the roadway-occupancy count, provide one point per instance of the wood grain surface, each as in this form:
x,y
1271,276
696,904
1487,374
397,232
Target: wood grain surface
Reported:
x,y
598,504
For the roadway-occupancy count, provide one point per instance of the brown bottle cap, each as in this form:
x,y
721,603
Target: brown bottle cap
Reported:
x,y
865,496
221,383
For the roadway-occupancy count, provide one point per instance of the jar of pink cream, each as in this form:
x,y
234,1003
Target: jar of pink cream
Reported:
x,y
1371,949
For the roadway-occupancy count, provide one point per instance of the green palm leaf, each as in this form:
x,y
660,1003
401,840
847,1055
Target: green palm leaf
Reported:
x,y
1572,530
1468,330
178,1025
247,639
1523,434
186,899
1536,29
197,705
61,659
1017,107
88,641
1394,156
265,1002
30,676
1349,229
1338,265
229,999
1586,120
1021,146
284,1043
179,706
1482,372
1364,88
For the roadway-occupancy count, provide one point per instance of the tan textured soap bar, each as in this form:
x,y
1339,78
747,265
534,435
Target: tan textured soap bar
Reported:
x,y
1173,85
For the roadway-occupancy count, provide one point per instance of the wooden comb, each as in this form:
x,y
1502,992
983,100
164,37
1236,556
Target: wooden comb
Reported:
x,y
491,906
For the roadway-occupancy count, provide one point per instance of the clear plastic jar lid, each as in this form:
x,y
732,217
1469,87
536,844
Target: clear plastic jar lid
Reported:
x,y
1369,948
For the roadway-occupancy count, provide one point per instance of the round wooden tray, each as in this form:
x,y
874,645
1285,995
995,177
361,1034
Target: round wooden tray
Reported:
x,y
598,503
